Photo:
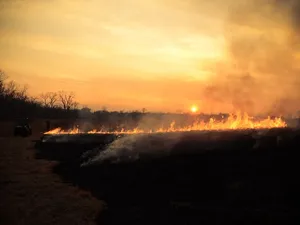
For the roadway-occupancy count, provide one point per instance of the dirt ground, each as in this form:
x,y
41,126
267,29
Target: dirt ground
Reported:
x,y
31,194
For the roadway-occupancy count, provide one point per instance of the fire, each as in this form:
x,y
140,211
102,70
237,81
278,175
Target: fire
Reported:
x,y
233,122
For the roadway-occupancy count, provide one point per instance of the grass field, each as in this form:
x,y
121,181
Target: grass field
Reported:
x,y
210,178
225,180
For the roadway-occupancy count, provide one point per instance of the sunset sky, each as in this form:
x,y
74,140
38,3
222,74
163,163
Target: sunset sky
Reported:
x,y
122,54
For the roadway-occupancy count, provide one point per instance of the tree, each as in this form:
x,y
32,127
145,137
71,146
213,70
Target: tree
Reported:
x,y
3,78
44,99
21,93
49,99
104,109
33,100
85,112
86,109
10,89
67,100
52,99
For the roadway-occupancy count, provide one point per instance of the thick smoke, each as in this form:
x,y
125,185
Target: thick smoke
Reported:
x,y
261,73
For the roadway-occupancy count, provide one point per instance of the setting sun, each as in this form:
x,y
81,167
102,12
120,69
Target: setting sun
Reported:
x,y
194,108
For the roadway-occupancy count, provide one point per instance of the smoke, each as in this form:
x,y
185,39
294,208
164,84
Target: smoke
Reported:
x,y
135,147
261,71
85,122
293,8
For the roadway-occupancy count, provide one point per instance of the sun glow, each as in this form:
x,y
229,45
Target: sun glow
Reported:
x,y
194,109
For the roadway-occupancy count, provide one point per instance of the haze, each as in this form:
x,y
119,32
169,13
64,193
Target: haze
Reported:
x,y
162,55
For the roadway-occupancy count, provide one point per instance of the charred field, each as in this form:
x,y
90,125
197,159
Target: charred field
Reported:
x,y
225,177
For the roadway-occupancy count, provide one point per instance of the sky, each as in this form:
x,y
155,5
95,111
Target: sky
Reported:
x,y
161,55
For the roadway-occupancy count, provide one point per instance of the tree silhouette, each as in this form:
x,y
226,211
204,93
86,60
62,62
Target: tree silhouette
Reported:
x,y
44,99
22,94
15,102
67,100
49,99
3,77
10,89
104,108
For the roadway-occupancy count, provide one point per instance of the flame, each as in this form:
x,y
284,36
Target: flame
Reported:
x,y
233,122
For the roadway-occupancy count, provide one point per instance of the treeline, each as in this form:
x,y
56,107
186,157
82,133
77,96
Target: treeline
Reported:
x,y
16,103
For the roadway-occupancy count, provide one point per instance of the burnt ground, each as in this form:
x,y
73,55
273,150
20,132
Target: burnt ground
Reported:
x,y
232,183
229,184
30,193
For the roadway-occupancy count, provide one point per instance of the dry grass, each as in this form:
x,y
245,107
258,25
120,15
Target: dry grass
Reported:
x,y
31,194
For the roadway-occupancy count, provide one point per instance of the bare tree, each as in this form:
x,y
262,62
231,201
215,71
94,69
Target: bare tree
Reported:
x,y
44,99
3,77
32,100
21,93
67,100
53,97
49,99
11,89
75,105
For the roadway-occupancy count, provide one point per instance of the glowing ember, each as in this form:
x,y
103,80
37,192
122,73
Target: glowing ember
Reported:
x,y
238,122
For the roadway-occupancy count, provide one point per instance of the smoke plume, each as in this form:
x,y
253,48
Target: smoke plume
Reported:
x,y
261,72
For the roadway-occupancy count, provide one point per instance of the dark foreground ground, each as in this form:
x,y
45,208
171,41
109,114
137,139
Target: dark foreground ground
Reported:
x,y
30,193
236,178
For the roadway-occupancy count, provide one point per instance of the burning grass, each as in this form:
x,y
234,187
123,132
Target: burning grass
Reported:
x,y
238,121
188,176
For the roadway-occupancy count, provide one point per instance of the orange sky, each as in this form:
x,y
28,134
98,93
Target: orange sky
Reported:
x,y
131,54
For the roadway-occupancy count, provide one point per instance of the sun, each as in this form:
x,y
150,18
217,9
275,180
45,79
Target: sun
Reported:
x,y
194,108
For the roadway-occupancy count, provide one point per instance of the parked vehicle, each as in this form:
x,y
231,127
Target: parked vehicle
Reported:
x,y
22,129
